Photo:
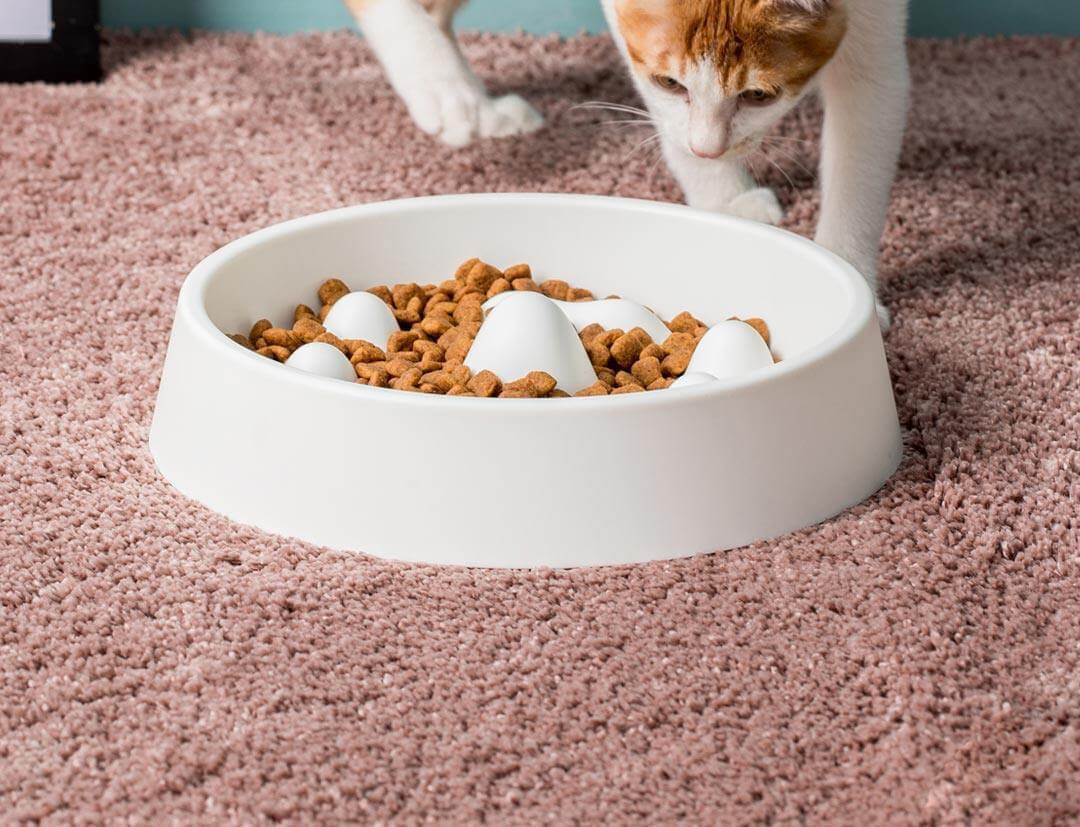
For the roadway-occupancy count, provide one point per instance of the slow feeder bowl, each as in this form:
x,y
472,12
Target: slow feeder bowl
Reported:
x,y
522,482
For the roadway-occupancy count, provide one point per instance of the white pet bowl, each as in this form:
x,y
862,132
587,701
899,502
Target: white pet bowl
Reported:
x,y
522,482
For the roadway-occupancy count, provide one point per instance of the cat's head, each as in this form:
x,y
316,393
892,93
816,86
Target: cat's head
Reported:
x,y
718,74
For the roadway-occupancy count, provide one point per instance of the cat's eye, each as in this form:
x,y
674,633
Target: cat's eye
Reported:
x,y
757,97
668,84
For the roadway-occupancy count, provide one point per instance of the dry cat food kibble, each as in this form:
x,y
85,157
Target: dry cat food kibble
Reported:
x,y
437,324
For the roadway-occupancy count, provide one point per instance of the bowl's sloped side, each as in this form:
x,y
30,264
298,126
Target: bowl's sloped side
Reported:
x,y
522,483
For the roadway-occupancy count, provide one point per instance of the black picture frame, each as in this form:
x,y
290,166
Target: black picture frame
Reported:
x,y
73,55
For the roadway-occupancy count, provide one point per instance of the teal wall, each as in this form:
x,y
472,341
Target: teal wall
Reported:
x,y
929,18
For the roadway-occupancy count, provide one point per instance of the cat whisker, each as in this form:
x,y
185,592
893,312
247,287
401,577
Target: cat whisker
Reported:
x,y
788,157
611,107
782,171
645,144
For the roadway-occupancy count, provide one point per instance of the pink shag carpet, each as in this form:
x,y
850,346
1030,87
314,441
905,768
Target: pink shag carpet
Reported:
x,y
914,660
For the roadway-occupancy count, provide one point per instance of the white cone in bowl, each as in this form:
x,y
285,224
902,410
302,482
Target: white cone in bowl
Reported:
x,y
689,379
361,315
608,313
322,359
528,332
730,349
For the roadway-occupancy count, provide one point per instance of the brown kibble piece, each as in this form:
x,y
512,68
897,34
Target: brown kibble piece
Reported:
x,y
324,311
517,393
675,364
275,352
559,393
461,374
458,349
331,290
598,354
576,294
482,275
410,378
303,312
464,268
626,349
555,289
361,351
280,337
308,329
412,312
624,378
423,346
652,350
518,271
659,384
525,284
500,285
677,342
443,308
428,363
383,292
590,332
402,340
440,379
399,367
608,337
543,383
468,312
402,294
241,340
436,326
646,370
485,383
331,339
518,386
596,389
640,334
633,387
606,375
684,323
258,329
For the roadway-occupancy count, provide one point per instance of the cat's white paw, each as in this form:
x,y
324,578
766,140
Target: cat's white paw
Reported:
x,y
758,204
508,115
457,112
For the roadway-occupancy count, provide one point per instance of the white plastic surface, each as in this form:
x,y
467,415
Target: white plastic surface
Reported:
x,y
322,359
609,313
730,349
361,315
528,332
553,482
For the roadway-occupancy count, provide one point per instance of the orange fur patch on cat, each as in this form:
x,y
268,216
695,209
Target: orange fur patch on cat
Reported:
x,y
780,44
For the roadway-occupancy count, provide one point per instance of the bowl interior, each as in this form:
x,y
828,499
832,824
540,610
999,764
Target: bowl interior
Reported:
x,y
669,258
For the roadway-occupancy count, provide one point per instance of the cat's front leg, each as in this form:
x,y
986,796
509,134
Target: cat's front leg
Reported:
x,y
721,185
865,90
427,70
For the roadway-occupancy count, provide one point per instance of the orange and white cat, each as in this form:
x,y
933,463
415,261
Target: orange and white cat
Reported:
x,y
716,76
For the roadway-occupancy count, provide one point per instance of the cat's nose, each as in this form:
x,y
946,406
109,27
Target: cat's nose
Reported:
x,y
712,151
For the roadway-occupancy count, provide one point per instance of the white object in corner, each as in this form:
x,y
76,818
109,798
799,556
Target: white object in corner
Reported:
x,y
26,21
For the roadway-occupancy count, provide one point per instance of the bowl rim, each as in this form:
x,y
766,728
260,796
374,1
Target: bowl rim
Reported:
x,y
191,305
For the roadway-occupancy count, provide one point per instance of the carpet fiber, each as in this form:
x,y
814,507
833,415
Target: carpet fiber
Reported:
x,y
914,660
